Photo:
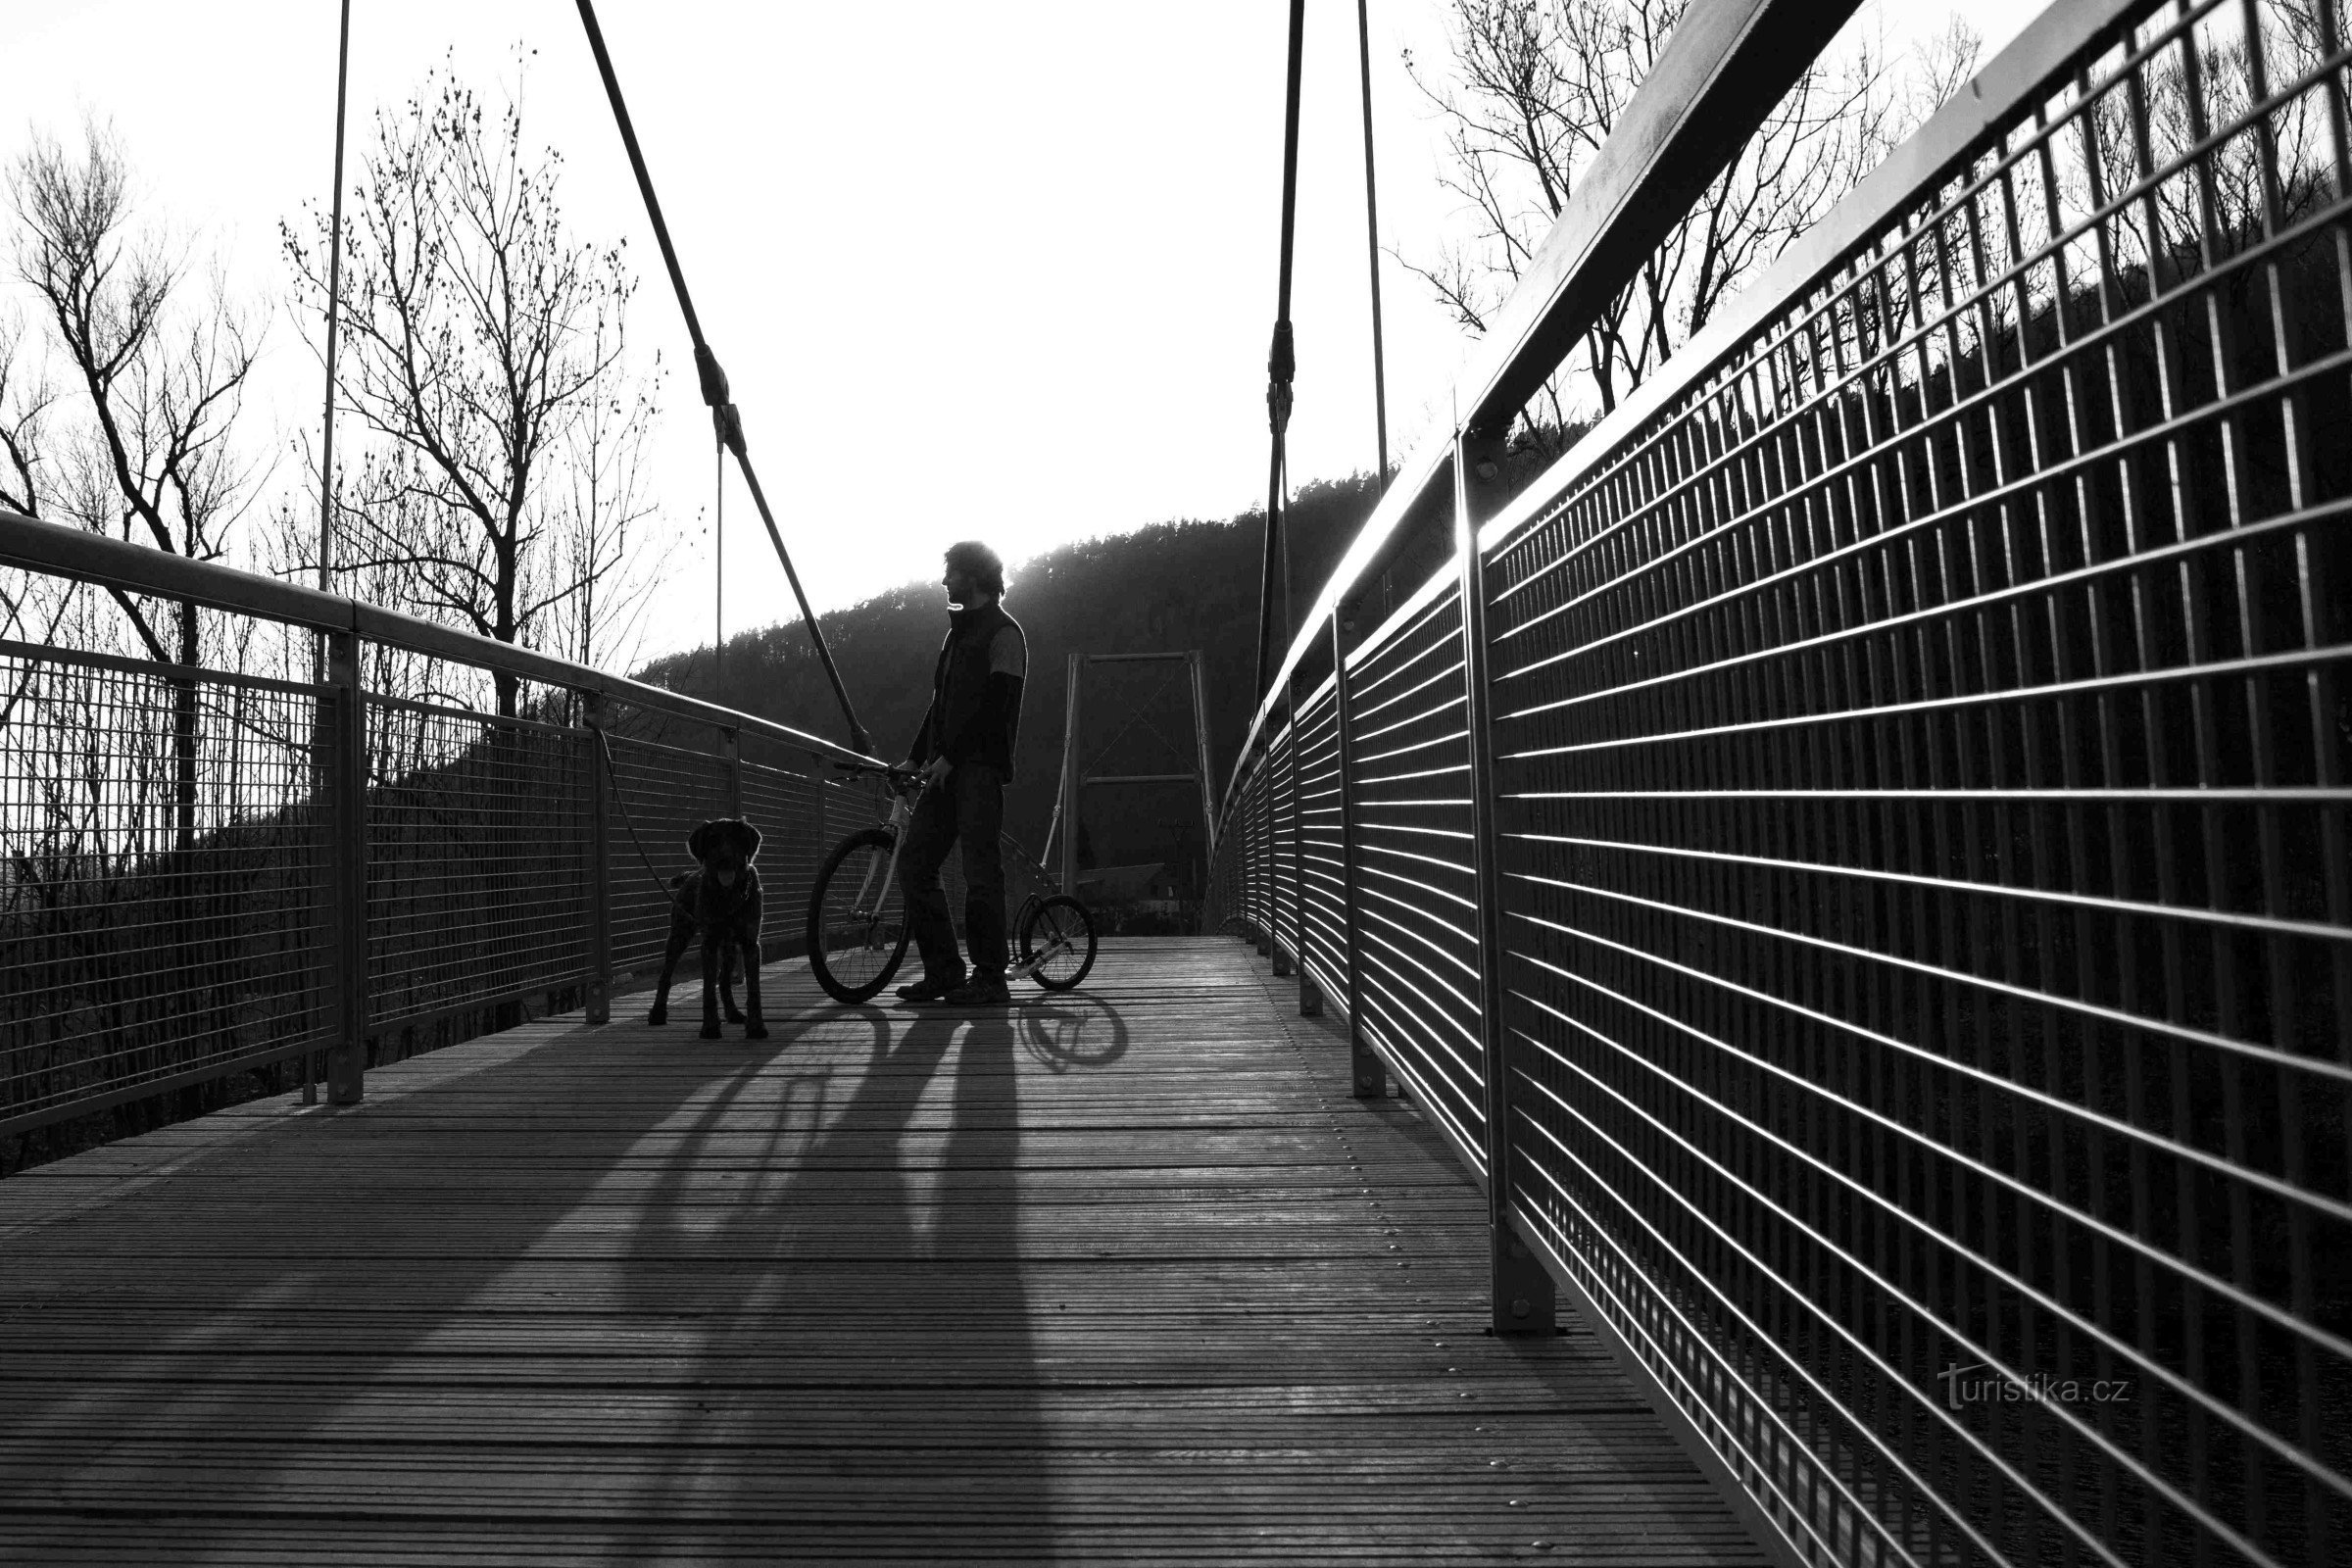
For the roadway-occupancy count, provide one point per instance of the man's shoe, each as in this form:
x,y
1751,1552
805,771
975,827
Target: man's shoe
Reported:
x,y
980,990
929,989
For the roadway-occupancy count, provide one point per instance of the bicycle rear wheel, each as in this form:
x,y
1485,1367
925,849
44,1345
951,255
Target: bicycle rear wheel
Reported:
x,y
856,918
1057,942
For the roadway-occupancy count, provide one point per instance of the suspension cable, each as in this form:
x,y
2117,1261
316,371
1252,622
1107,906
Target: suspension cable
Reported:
x,y
335,313
1380,390
724,419
718,581
1281,365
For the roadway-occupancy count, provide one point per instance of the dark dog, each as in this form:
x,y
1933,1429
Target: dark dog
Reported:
x,y
721,901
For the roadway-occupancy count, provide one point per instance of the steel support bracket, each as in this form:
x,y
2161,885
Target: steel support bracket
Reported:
x,y
1526,1300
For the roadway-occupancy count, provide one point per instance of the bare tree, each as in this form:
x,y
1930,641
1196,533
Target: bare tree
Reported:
x,y
25,397
587,594
484,353
2160,118
1537,86
152,454
141,442
1940,67
32,605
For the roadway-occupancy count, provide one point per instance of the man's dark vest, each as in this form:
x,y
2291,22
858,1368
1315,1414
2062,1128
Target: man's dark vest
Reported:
x,y
961,680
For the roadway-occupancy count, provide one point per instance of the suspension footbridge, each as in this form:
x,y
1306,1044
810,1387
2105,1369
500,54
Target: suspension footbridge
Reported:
x,y
1790,999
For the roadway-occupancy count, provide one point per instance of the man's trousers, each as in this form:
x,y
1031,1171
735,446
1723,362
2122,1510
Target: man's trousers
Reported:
x,y
967,807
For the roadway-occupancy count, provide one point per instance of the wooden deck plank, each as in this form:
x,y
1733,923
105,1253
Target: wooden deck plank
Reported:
x,y
1124,1276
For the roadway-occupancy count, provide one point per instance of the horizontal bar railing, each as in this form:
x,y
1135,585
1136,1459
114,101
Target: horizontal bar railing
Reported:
x,y
207,871
1921,881
1322,880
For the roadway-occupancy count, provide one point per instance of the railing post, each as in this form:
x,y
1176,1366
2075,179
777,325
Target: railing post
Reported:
x,y
1262,838
1243,806
1522,1289
324,913
600,866
1310,995
1069,781
347,899
1256,932
730,772
1370,1073
1282,955
816,789
1208,787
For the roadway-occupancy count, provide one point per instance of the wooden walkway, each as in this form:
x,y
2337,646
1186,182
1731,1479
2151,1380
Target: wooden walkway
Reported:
x,y
1122,1276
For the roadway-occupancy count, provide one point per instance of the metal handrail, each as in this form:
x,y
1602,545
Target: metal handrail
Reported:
x,y
76,553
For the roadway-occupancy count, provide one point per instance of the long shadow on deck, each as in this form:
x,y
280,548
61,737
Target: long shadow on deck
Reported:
x,y
858,1289
211,1365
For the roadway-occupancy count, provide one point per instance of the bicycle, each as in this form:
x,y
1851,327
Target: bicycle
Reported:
x,y
857,930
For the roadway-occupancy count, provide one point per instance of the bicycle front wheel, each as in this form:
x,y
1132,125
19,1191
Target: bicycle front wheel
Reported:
x,y
856,918
1057,942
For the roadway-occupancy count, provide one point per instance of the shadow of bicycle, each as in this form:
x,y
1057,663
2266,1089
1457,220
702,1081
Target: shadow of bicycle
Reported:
x,y
1066,1031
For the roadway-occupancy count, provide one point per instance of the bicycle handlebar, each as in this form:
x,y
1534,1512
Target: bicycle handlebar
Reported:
x,y
900,777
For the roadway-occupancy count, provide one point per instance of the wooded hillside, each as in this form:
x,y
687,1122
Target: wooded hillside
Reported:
x,y
1172,586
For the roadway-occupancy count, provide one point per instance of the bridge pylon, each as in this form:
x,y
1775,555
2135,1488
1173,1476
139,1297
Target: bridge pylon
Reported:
x,y
1075,780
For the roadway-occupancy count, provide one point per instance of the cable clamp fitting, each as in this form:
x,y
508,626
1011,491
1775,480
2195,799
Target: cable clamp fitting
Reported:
x,y
1282,365
729,427
713,379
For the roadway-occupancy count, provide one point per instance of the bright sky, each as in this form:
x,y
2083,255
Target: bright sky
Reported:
x,y
998,271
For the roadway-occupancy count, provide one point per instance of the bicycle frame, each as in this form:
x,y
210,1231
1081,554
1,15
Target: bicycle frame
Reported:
x,y
902,811
895,821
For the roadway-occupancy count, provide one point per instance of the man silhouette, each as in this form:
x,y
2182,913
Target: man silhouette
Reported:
x,y
965,749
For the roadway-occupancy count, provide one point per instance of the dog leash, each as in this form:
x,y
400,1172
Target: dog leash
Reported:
x,y
620,798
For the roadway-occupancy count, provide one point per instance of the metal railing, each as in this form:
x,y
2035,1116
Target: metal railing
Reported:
x,y
205,871
1888,949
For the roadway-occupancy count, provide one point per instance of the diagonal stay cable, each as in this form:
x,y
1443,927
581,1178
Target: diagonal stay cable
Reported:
x,y
1380,376
1282,367
724,419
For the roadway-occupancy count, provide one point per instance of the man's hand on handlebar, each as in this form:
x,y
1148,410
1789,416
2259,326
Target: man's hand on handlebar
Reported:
x,y
905,778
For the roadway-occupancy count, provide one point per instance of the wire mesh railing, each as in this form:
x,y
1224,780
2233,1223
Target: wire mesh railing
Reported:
x,y
152,939
205,871
1922,851
477,830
